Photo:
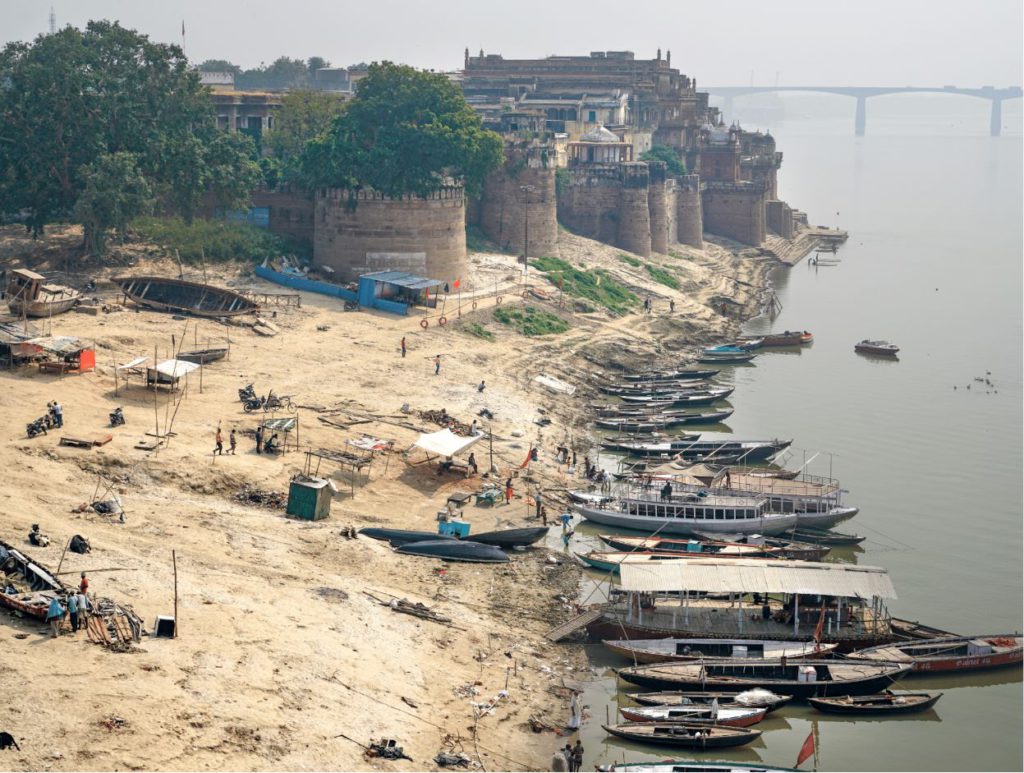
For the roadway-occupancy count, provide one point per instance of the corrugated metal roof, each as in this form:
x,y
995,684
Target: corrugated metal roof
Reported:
x,y
402,279
57,344
759,576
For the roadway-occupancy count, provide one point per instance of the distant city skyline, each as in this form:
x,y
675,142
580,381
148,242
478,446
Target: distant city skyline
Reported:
x,y
913,42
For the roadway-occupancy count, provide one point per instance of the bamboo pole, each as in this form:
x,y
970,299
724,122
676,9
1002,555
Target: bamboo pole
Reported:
x,y
174,562
61,562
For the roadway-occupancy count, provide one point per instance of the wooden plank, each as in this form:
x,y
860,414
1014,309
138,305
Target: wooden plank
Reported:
x,y
76,442
559,633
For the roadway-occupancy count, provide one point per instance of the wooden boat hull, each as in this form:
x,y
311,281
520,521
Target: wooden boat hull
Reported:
x,y
728,716
41,309
670,376
511,538
683,735
950,654
672,649
179,296
684,698
824,537
853,679
454,550
692,766
751,451
793,339
727,358
877,348
203,356
36,585
680,399
636,424
885,704
403,536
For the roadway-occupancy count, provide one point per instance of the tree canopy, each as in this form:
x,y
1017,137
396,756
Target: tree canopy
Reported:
x,y
304,115
283,73
93,111
674,162
405,132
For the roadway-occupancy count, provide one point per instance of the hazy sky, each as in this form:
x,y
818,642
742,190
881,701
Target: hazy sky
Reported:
x,y
720,42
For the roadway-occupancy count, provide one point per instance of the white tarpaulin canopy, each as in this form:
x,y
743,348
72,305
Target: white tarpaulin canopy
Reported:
x,y
759,576
445,442
175,368
133,363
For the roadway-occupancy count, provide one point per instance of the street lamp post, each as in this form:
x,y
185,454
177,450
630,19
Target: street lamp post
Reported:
x,y
526,190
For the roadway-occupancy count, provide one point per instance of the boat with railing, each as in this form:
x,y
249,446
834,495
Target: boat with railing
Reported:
x,y
689,515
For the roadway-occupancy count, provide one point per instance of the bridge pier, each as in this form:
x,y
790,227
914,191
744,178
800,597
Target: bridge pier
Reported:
x,y
995,124
862,116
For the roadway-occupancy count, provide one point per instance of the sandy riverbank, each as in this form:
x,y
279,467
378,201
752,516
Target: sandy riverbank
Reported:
x,y
280,649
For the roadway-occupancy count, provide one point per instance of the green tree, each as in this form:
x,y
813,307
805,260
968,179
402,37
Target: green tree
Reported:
x,y
304,116
315,63
282,73
116,192
219,65
70,98
668,154
404,133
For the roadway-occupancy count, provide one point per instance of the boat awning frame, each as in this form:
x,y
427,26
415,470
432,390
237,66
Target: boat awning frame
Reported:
x,y
759,576
446,442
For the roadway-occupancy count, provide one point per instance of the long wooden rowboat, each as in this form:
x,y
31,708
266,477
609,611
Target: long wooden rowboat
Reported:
x,y
665,650
179,296
203,356
670,375
824,536
882,704
829,678
951,653
27,587
653,422
682,734
693,766
730,716
751,699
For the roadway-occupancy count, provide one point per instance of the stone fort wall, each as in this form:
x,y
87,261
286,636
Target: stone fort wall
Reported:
x,y
357,232
518,203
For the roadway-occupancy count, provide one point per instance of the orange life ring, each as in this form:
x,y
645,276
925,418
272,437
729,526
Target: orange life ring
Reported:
x,y
474,305
442,320
497,300
424,324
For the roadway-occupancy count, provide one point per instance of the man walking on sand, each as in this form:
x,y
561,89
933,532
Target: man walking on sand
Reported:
x,y
508,491
232,442
403,347
437,365
219,449
538,500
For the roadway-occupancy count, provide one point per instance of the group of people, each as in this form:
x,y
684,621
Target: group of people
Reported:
x,y
232,440
76,606
569,757
267,445
56,413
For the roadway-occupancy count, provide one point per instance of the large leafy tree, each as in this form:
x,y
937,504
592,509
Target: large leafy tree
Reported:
x,y
673,161
72,98
405,132
116,192
304,116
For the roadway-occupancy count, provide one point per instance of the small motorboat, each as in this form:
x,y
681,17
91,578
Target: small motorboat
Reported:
x,y
882,704
881,348
682,734
788,338
950,653
454,550
402,536
511,538
756,698
701,714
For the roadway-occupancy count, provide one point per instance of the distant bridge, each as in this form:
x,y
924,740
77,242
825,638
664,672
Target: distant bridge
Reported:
x,y
861,94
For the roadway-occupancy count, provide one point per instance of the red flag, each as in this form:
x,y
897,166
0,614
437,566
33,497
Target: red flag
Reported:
x,y
457,283
806,751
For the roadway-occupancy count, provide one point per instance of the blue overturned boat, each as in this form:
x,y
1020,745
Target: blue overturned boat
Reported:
x,y
454,550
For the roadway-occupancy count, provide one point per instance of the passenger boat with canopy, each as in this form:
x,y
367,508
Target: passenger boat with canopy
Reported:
x,y
677,515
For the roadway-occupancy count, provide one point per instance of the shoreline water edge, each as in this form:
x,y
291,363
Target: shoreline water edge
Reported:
x,y
293,650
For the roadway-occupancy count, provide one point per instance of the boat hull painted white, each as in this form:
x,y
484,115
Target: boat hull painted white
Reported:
x,y
827,519
770,524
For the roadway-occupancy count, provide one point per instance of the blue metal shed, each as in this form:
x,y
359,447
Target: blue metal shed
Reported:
x,y
395,291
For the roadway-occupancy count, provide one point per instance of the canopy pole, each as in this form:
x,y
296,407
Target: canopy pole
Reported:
x,y
796,613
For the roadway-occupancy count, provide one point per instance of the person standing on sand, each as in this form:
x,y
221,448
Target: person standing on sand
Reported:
x,y
508,491
403,347
55,616
577,755
219,448
437,365
73,612
83,586
538,499
567,753
232,442
671,306
566,538
259,439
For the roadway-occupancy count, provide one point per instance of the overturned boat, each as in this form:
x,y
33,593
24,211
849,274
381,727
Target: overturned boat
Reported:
x,y
455,550
26,586
182,297
511,538
398,537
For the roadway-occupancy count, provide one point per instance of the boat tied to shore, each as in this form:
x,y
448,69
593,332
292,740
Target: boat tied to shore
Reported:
x,y
882,704
691,736
666,650
726,716
951,654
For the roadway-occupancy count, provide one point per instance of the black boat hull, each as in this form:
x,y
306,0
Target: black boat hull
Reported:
x,y
403,536
820,689
511,538
454,550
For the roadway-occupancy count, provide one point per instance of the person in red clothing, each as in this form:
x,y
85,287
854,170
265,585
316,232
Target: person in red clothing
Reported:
x,y
83,586
508,491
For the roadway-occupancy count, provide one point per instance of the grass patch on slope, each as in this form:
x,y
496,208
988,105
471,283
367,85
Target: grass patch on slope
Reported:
x,y
210,239
630,260
478,330
597,286
531,321
661,276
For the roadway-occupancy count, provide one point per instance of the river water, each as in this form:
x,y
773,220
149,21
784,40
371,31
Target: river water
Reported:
x,y
934,264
